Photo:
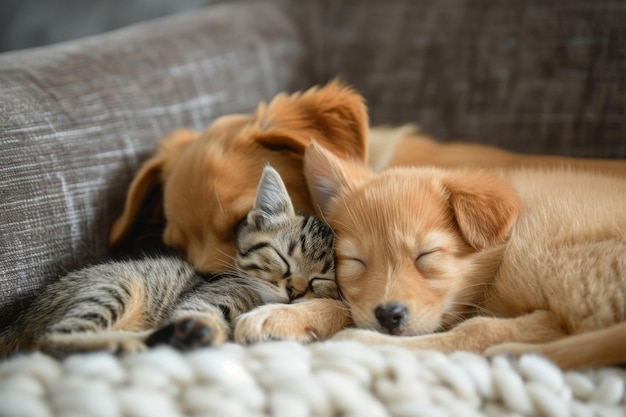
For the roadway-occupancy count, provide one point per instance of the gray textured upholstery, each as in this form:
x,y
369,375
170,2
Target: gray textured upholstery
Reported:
x,y
532,76
77,119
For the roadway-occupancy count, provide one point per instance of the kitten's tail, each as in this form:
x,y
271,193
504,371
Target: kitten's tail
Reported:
x,y
11,340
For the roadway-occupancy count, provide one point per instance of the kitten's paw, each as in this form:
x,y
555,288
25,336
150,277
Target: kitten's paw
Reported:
x,y
274,322
188,333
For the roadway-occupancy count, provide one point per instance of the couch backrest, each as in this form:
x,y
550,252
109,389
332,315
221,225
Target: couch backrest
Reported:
x,y
77,119
543,76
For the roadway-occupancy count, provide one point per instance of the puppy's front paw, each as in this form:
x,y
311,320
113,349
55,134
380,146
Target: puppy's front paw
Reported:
x,y
274,322
188,333
511,349
370,337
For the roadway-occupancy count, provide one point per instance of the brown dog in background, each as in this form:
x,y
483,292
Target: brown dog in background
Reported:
x,y
209,181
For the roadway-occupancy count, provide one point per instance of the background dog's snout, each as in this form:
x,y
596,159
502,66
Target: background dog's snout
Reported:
x,y
390,316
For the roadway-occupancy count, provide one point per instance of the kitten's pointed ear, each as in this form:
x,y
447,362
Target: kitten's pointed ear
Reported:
x,y
327,175
272,201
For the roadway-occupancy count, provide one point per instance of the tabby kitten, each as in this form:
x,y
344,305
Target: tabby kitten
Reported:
x,y
125,306
292,252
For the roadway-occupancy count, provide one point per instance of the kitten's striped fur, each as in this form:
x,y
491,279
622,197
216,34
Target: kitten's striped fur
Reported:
x,y
116,306
125,306
291,251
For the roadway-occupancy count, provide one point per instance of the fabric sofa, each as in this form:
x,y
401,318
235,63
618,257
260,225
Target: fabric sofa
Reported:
x,y
77,118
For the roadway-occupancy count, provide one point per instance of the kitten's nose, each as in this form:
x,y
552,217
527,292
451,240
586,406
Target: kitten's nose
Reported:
x,y
296,287
391,315
293,293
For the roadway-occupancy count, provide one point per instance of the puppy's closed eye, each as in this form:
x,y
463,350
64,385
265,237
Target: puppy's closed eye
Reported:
x,y
425,257
350,265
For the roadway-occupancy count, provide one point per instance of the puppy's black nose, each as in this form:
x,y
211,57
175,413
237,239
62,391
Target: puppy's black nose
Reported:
x,y
391,315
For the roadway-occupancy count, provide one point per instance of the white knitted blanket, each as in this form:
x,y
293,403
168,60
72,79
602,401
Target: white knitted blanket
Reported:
x,y
292,380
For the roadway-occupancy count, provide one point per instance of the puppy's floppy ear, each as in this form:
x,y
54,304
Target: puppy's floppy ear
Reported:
x,y
335,115
149,177
485,208
327,175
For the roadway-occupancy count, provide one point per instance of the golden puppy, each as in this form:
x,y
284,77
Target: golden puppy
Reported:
x,y
467,260
209,180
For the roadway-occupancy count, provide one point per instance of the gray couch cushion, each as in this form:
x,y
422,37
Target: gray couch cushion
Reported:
x,y
77,119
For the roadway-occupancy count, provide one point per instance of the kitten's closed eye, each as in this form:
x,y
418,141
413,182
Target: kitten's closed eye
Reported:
x,y
324,288
264,261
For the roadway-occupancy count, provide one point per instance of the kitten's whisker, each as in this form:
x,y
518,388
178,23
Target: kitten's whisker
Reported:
x,y
224,263
231,257
349,210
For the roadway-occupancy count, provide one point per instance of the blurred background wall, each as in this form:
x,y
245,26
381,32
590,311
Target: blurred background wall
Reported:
x,y
30,23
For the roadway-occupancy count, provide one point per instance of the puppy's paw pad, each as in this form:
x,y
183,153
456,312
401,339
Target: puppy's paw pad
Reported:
x,y
362,335
511,349
351,334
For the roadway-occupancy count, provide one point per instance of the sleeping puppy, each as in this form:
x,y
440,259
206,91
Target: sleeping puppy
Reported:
x,y
467,260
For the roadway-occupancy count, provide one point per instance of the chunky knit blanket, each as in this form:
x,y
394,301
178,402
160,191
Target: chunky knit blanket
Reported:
x,y
292,380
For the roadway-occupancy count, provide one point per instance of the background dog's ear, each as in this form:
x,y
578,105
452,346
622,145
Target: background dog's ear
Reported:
x,y
149,178
334,115
327,176
485,208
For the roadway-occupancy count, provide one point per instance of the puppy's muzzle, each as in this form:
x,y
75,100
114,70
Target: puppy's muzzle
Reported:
x,y
391,316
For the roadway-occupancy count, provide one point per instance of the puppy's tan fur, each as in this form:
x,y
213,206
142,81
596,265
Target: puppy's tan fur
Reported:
x,y
407,146
479,258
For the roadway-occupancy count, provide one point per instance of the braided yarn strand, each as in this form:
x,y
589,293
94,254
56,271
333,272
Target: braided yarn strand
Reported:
x,y
292,380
